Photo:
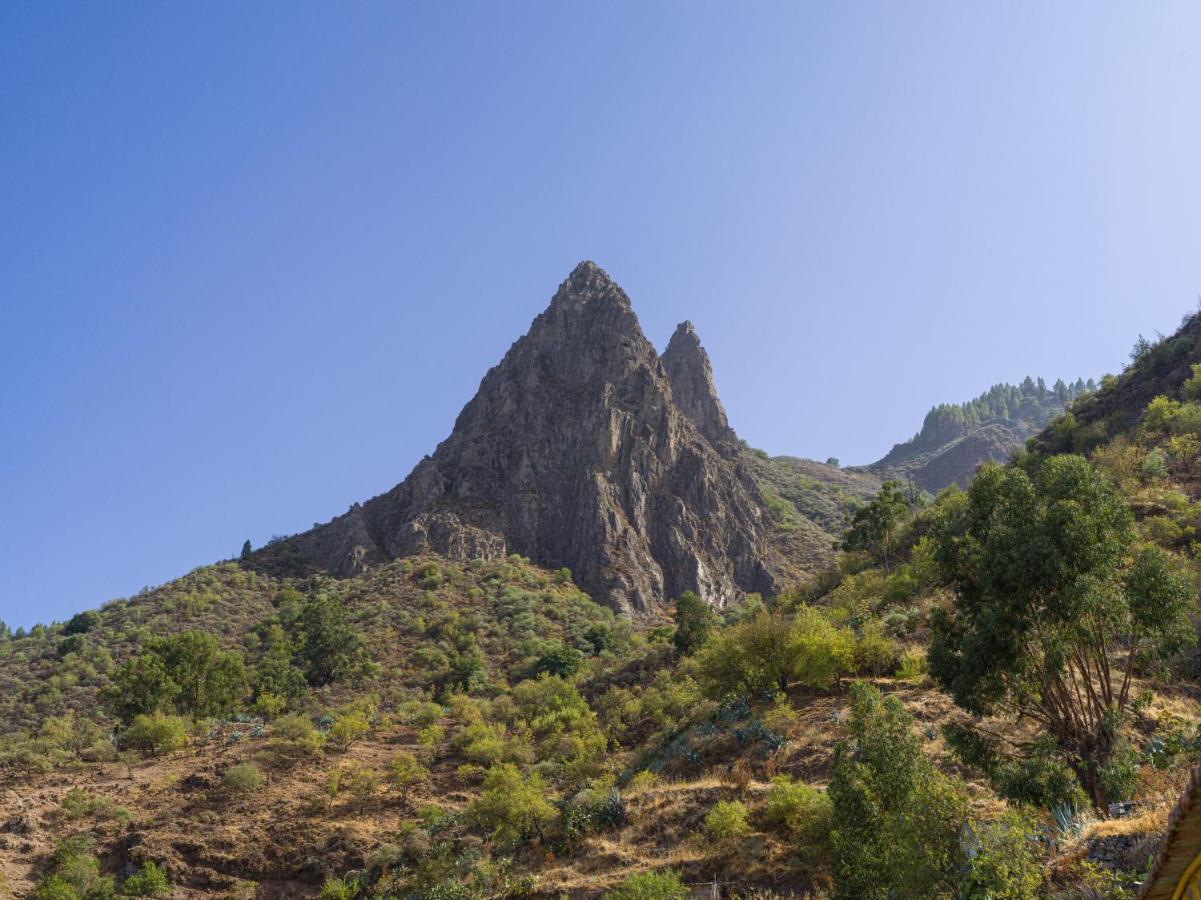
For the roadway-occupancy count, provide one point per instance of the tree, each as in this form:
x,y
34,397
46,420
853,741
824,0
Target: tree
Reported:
x,y
246,551
512,807
209,682
1046,623
694,621
82,623
898,819
764,654
874,526
276,672
186,673
558,659
405,773
330,648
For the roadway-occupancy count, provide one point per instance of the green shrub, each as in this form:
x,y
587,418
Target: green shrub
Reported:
x,y
74,873
896,819
418,713
727,821
694,622
559,659
348,727
339,889
875,653
148,881
405,773
1005,865
155,734
912,667
802,810
764,653
512,807
244,778
664,885
1154,466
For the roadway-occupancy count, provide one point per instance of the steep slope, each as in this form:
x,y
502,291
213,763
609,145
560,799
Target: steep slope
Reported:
x,y
955,439
1156,369
576,453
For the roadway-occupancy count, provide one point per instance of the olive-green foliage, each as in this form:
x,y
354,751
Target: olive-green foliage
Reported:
x,y
79,804
767,652
295,736
803,811
564,727
74,874
339,889
244,778
405,773
727,821
512,807
896,819
1005,864
694,622
148,881
187,673
1045,621
82,623
874,527
330,649
559,659
662,885
419,713
1037,777
155,734
276,672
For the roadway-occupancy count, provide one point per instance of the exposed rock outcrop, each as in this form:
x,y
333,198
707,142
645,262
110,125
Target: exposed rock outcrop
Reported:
x,y
580,450
692,386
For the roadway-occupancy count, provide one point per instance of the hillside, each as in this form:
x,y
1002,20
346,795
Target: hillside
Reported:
x,y
915,715
957,438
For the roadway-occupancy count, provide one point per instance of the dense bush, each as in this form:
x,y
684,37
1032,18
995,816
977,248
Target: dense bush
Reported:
x,y
804,811
244,778
727,821
186,673
896,820
766,652
1004,864
148,881
155,734
512,807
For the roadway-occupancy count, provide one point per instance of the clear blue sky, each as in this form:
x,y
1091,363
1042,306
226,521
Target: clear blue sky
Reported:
x,y
255,257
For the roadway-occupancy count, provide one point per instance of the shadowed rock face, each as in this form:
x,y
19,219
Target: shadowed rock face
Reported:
x,y
582,449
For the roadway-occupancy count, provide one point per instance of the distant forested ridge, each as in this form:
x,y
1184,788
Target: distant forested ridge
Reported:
x,y
955,438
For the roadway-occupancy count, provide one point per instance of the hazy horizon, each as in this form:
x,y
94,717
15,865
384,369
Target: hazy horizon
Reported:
x,y
258,257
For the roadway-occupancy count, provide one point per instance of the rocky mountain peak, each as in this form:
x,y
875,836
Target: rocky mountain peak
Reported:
x,y
691,376
577,451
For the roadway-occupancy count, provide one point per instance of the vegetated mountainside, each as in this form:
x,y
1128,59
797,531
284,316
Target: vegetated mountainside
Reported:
x,y
583,448
810,505
956,438
429,727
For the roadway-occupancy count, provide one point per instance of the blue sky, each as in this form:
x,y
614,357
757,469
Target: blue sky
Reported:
x,y
255,257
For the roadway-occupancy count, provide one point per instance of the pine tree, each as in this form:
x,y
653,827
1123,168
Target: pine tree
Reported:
x,y
246,550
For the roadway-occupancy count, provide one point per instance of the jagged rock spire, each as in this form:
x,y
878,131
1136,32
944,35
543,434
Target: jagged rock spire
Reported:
x,y
692,386
576,452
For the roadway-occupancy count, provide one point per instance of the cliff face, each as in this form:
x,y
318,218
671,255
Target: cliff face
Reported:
x,y
692,386
582,449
